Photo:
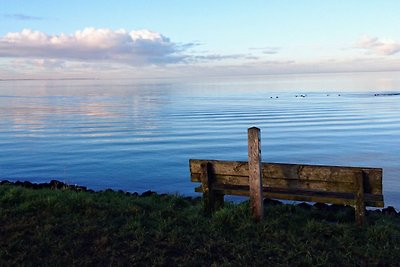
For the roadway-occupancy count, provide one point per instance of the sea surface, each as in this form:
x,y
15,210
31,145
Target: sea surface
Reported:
x,y
139,135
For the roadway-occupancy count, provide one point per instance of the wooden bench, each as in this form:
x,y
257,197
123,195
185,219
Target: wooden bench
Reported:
x,y
356,186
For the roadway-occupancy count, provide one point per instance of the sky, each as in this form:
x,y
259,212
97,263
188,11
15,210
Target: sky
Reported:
x,y
194,39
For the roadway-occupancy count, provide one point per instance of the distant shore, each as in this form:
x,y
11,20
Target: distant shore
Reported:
x,y
55,224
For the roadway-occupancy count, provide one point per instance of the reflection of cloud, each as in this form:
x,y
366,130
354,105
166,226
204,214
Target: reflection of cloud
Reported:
x,y
97,109
385,47
88,109
141,47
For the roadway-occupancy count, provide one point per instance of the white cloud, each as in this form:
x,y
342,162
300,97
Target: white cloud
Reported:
x,y
379,46
142,47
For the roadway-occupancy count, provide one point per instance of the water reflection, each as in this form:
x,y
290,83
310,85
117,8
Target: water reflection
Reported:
x,y
139,136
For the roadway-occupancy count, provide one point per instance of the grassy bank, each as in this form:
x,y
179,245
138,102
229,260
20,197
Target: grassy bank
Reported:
x,y
69,227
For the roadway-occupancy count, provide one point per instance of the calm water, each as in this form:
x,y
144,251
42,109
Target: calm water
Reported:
x,y
139,136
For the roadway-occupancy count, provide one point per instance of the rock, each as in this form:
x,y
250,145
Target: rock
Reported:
x,y
54,184
377,211
304,205
78,188
148,193
5,182
321,206
336,207
272,202
389,211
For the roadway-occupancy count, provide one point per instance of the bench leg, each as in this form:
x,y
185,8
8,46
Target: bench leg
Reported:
x,y
212,200
359,195
218,201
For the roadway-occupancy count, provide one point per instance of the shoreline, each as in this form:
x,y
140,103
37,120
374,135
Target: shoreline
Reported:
x,y
55,224
58,185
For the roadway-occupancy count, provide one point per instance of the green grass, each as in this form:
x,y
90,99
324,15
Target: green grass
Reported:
x,y
43,227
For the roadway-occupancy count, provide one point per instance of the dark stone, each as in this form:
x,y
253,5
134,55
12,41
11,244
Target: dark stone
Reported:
x,y
42,185
376,211
27,184
148,193
5,182
336,207
305,206
272,202
321,206
389,211
54,184
80,188
135,194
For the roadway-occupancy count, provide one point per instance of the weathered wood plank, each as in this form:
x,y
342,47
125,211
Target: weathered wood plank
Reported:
x,y
255,173
359,199
306,173
240,168
213,199
207,192
234,168
284,183
303,195
373,182
370,200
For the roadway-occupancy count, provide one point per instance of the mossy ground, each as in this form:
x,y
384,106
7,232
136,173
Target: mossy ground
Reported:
x,y
44,227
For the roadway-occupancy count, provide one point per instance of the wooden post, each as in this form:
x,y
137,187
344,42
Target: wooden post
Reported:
x,y
255,174
212,200
359,197
207,196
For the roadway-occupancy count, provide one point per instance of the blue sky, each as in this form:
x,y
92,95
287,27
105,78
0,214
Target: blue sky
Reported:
x,y
196,38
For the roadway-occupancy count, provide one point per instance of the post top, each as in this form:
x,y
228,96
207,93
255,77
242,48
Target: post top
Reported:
x,y
253,128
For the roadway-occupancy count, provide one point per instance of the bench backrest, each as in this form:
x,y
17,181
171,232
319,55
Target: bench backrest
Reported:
x,y
296,177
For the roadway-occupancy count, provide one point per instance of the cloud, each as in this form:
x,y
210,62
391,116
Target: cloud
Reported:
x,y
217,57
39,63
269,50
142,47
378,46
22,17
